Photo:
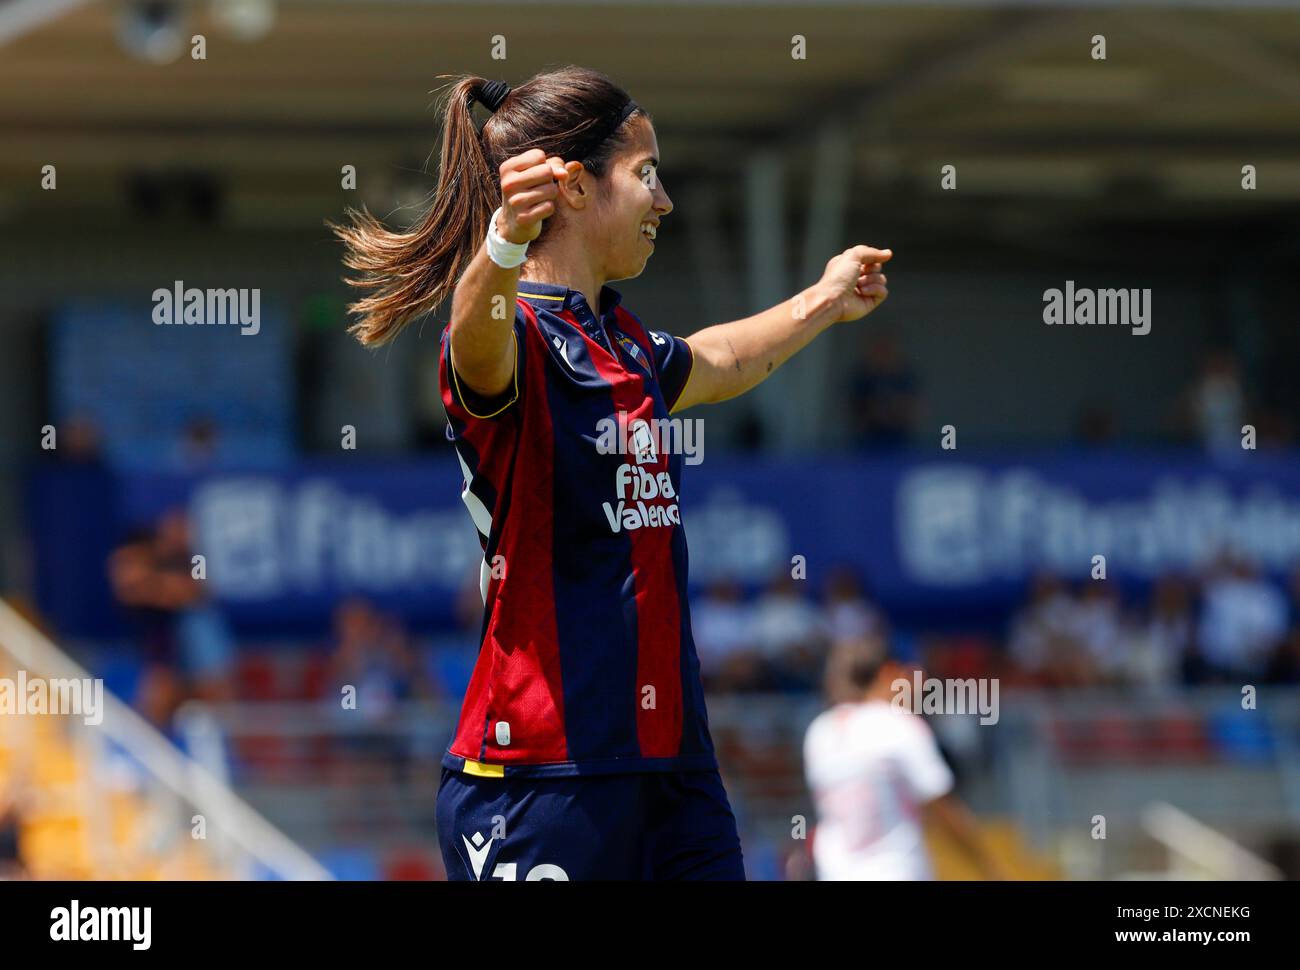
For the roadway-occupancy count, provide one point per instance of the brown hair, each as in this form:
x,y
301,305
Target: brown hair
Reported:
x,y
852,667
565,112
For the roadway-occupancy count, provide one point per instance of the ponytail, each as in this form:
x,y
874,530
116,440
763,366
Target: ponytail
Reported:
x,y
407,273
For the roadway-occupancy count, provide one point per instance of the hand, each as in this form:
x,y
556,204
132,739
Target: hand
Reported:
x,y
854,282
529,186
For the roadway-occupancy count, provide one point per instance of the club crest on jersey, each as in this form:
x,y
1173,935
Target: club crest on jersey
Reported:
x,y
633,349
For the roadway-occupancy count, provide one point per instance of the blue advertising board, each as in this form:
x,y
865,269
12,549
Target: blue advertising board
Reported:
x,y
937,537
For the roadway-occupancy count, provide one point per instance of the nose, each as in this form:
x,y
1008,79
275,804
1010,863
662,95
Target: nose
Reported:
x,y
662,204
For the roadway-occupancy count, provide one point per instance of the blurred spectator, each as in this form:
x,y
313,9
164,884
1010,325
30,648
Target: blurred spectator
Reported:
x,y
374,662
789,631
1217,404
1096,628
1284,665
188,649
725,639
1243,619
1157,646
207,646
848,613
1044,644
131,574
883,395
373,655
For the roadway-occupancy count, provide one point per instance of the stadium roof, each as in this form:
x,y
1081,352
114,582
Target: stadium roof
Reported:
x,y
1013,93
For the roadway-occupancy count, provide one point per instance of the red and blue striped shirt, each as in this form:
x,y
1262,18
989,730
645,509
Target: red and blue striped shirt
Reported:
x,y
586,663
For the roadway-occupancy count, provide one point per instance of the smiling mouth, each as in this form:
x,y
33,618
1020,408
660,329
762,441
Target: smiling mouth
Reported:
x,y
649,231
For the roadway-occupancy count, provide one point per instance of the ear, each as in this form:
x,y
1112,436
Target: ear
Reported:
x,y
576,191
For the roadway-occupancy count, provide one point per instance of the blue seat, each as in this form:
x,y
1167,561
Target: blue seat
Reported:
x,y
1242,735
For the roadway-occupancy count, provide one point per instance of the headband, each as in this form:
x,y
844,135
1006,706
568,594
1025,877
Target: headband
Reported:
x,y
612,126
492,93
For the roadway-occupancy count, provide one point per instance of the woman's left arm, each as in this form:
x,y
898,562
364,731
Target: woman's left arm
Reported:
x,y
731,358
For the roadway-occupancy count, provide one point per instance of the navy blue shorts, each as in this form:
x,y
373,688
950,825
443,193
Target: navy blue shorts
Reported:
x,y
670,825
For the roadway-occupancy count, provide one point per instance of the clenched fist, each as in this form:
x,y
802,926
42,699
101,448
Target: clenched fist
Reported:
x,y
530,184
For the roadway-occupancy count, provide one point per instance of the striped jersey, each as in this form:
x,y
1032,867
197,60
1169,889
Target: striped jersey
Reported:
x,y
586,662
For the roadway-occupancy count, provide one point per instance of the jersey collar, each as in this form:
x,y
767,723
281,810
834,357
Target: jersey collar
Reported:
x,y
555,298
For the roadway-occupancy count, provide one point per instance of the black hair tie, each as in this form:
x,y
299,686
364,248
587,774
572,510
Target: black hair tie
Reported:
x,y
492,93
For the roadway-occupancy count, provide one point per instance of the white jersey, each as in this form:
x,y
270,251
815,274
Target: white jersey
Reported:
x,y
871,766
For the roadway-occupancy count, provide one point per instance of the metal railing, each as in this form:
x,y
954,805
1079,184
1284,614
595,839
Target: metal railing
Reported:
x,y
1157,768
1051,762
238,838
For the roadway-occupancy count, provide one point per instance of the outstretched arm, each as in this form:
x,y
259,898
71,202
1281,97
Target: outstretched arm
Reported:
x,y
730,358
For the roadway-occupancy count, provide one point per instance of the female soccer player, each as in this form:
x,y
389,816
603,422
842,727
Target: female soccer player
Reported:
x,y
582,749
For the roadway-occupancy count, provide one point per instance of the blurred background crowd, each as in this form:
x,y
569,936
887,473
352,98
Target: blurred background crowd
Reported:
x,y
1229,622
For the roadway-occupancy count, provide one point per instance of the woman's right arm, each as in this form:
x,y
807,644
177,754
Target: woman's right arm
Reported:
x,y
483,305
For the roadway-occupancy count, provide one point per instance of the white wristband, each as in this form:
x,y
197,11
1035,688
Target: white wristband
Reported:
x,y
505,254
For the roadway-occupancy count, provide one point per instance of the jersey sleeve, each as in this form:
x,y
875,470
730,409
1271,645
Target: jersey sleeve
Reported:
x,y
464,403
921,763
673,362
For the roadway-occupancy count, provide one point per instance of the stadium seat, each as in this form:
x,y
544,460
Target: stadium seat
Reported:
x,y
255,678
1242,735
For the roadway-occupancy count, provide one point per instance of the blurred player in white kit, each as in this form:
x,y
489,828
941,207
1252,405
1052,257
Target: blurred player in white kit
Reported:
x,y
877,777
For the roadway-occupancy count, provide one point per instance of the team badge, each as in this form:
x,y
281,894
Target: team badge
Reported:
x,y
632,347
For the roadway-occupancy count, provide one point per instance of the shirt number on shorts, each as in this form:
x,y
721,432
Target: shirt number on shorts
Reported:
x,y
508,872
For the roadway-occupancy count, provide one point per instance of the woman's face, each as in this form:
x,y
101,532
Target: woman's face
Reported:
x,y
630,201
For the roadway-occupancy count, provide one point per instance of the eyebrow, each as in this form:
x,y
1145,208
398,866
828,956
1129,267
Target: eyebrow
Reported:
x,y
651,159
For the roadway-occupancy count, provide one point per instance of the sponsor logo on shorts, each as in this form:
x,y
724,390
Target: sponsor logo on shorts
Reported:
x,y
478,849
